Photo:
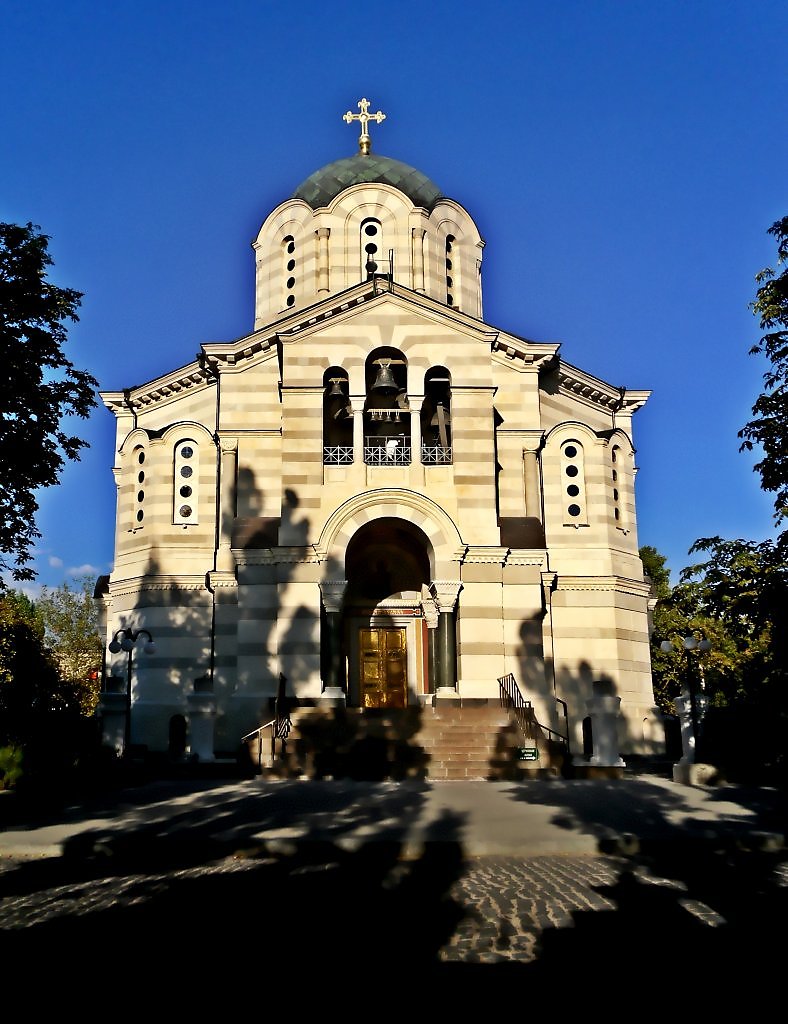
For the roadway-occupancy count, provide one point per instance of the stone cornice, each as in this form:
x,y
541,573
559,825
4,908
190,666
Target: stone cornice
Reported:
x,y
149,583
608,584
477,555
580,384
523,354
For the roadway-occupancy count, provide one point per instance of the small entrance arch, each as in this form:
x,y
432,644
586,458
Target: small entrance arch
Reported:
x,y
387,565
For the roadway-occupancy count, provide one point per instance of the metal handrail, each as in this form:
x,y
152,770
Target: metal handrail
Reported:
x,y
280,725
512,698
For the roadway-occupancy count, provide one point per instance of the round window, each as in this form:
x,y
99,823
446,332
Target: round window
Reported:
x,y
186,471
290,300
291,282
185,511
573,490
141,458
140,516
571,470
185,491
371,248
140,477
291,265
570,451
140,496
574,510
371,229
291,246
187,451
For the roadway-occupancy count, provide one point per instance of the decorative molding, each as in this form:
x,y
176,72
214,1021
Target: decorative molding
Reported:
x,y
479,555
537,557
123,588
333,592
445,593
607,584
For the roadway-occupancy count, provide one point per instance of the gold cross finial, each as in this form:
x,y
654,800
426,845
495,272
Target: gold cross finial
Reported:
x,y
364,139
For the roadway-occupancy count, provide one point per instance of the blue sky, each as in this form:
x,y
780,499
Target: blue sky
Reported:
x,y
623,162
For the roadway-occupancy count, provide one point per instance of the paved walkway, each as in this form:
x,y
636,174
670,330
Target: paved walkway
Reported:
x,y
531,818
199,897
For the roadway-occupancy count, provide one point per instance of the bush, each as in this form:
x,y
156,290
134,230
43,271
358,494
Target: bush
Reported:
x,y
10,766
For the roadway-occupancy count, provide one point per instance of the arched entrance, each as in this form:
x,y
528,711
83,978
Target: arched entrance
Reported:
x,y
387,565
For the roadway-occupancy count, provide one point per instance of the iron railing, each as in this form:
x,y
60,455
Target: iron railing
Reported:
x,y
337,455
530,728
279,726
436,455
381,451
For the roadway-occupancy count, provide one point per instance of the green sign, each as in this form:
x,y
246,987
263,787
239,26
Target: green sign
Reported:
x,y
527,753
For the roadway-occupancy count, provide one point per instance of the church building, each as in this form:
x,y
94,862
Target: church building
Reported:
x,y
376,495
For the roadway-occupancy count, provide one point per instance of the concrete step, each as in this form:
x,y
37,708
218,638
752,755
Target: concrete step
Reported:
x,y
468,741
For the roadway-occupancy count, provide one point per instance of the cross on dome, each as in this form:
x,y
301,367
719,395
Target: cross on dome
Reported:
x,y
364,139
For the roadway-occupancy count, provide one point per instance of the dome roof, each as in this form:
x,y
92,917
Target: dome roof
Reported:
x,y
324,185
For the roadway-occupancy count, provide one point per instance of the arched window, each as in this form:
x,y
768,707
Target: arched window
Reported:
x,y
617,486
386,409
337,418
289,269
451,269
436,439
138,469
186,484
371,240
573,484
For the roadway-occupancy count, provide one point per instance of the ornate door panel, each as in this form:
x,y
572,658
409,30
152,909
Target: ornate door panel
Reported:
x,y
384,674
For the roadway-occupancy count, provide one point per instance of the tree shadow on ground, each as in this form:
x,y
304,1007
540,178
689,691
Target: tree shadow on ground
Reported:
x,y
314,920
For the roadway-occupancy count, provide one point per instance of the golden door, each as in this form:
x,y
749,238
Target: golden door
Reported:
x,y
384,675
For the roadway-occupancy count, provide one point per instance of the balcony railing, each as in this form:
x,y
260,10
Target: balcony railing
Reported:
x,y
436,455
382,451
338,455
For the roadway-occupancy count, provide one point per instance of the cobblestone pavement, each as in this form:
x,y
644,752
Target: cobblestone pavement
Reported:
x,y
493,910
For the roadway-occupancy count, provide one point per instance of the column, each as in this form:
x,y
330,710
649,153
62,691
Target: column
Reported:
x,y
431,617
446,594
533,496
322,259
416,467
333,593
417,246
225,562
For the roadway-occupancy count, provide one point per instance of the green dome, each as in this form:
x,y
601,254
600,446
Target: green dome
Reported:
x,y
324,185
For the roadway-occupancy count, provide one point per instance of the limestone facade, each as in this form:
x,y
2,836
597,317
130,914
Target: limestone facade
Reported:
x,y
375,493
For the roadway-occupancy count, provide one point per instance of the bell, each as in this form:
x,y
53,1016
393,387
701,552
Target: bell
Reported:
x,y
336,390
385,379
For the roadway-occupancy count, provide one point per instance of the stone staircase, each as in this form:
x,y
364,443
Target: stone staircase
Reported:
x,y
464,739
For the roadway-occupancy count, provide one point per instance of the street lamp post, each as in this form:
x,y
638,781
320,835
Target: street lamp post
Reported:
x,y
125,640
688,644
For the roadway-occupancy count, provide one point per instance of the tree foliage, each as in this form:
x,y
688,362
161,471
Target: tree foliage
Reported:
x,y
738,600
73,637
39,388
30,684
769,427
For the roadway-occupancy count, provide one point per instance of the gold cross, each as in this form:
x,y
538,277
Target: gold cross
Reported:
x,y
364,140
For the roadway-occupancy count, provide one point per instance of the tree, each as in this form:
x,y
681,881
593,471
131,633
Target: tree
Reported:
x,y
39,389
657,571
29,681
73,636
769,427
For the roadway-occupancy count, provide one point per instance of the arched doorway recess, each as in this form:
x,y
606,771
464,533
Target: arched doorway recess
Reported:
x,y
387,567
